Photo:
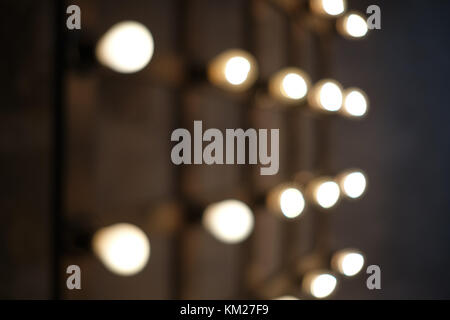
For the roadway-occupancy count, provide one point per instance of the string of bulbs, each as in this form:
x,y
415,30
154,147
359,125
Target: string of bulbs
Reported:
x,y
128,47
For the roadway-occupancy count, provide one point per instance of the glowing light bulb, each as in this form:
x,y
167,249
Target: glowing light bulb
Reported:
x,y
348,262
328,7
287,298
326,96
289,85
319,284
327,194
287,200
233,70
355,103
127,47
294,86
353,183
236,70
123,248
353,25
292,203
230,221
324,192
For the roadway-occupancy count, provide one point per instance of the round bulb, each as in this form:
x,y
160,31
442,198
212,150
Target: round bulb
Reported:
x,y
353,25
333,7
230,221
330,97
233,69
328,7
289,85
126,48
123,248
294,86
348,262
319,285
292,203
326,96
355,103
353,184
327,194
236,70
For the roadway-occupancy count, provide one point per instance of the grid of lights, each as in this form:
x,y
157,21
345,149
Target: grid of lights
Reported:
x,y
128,46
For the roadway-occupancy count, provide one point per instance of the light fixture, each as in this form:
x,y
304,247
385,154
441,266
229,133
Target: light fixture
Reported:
x,y
330,8
348,262
352,25
319,284
324,192
352,183
326,95
289,85
355,103
286,199
230,221
123,248
126,47
234,70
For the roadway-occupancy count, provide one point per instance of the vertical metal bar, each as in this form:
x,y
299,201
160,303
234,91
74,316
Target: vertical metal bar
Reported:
x,y
58,156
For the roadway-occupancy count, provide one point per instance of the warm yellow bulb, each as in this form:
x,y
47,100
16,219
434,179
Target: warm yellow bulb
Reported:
x,y
353,183
287,200
327,194
326,96
355,103
287,298
233,69
294,86
126,48
352,25
324,192
230,221
236,70
292,203
319,284
348,262
289,85
123,248
328,7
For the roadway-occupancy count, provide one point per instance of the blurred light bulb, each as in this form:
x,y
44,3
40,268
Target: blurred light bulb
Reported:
x,y
236,70
330,96
287,298
328,7
127,47
348,262
327,194
355,103
230,221
319,284
294,86
289,85
292,203
353,183
326,96
123,248
286,199
324,191
352,25
233,70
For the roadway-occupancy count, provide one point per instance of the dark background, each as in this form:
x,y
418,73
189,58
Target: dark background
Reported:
x,y
118,149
